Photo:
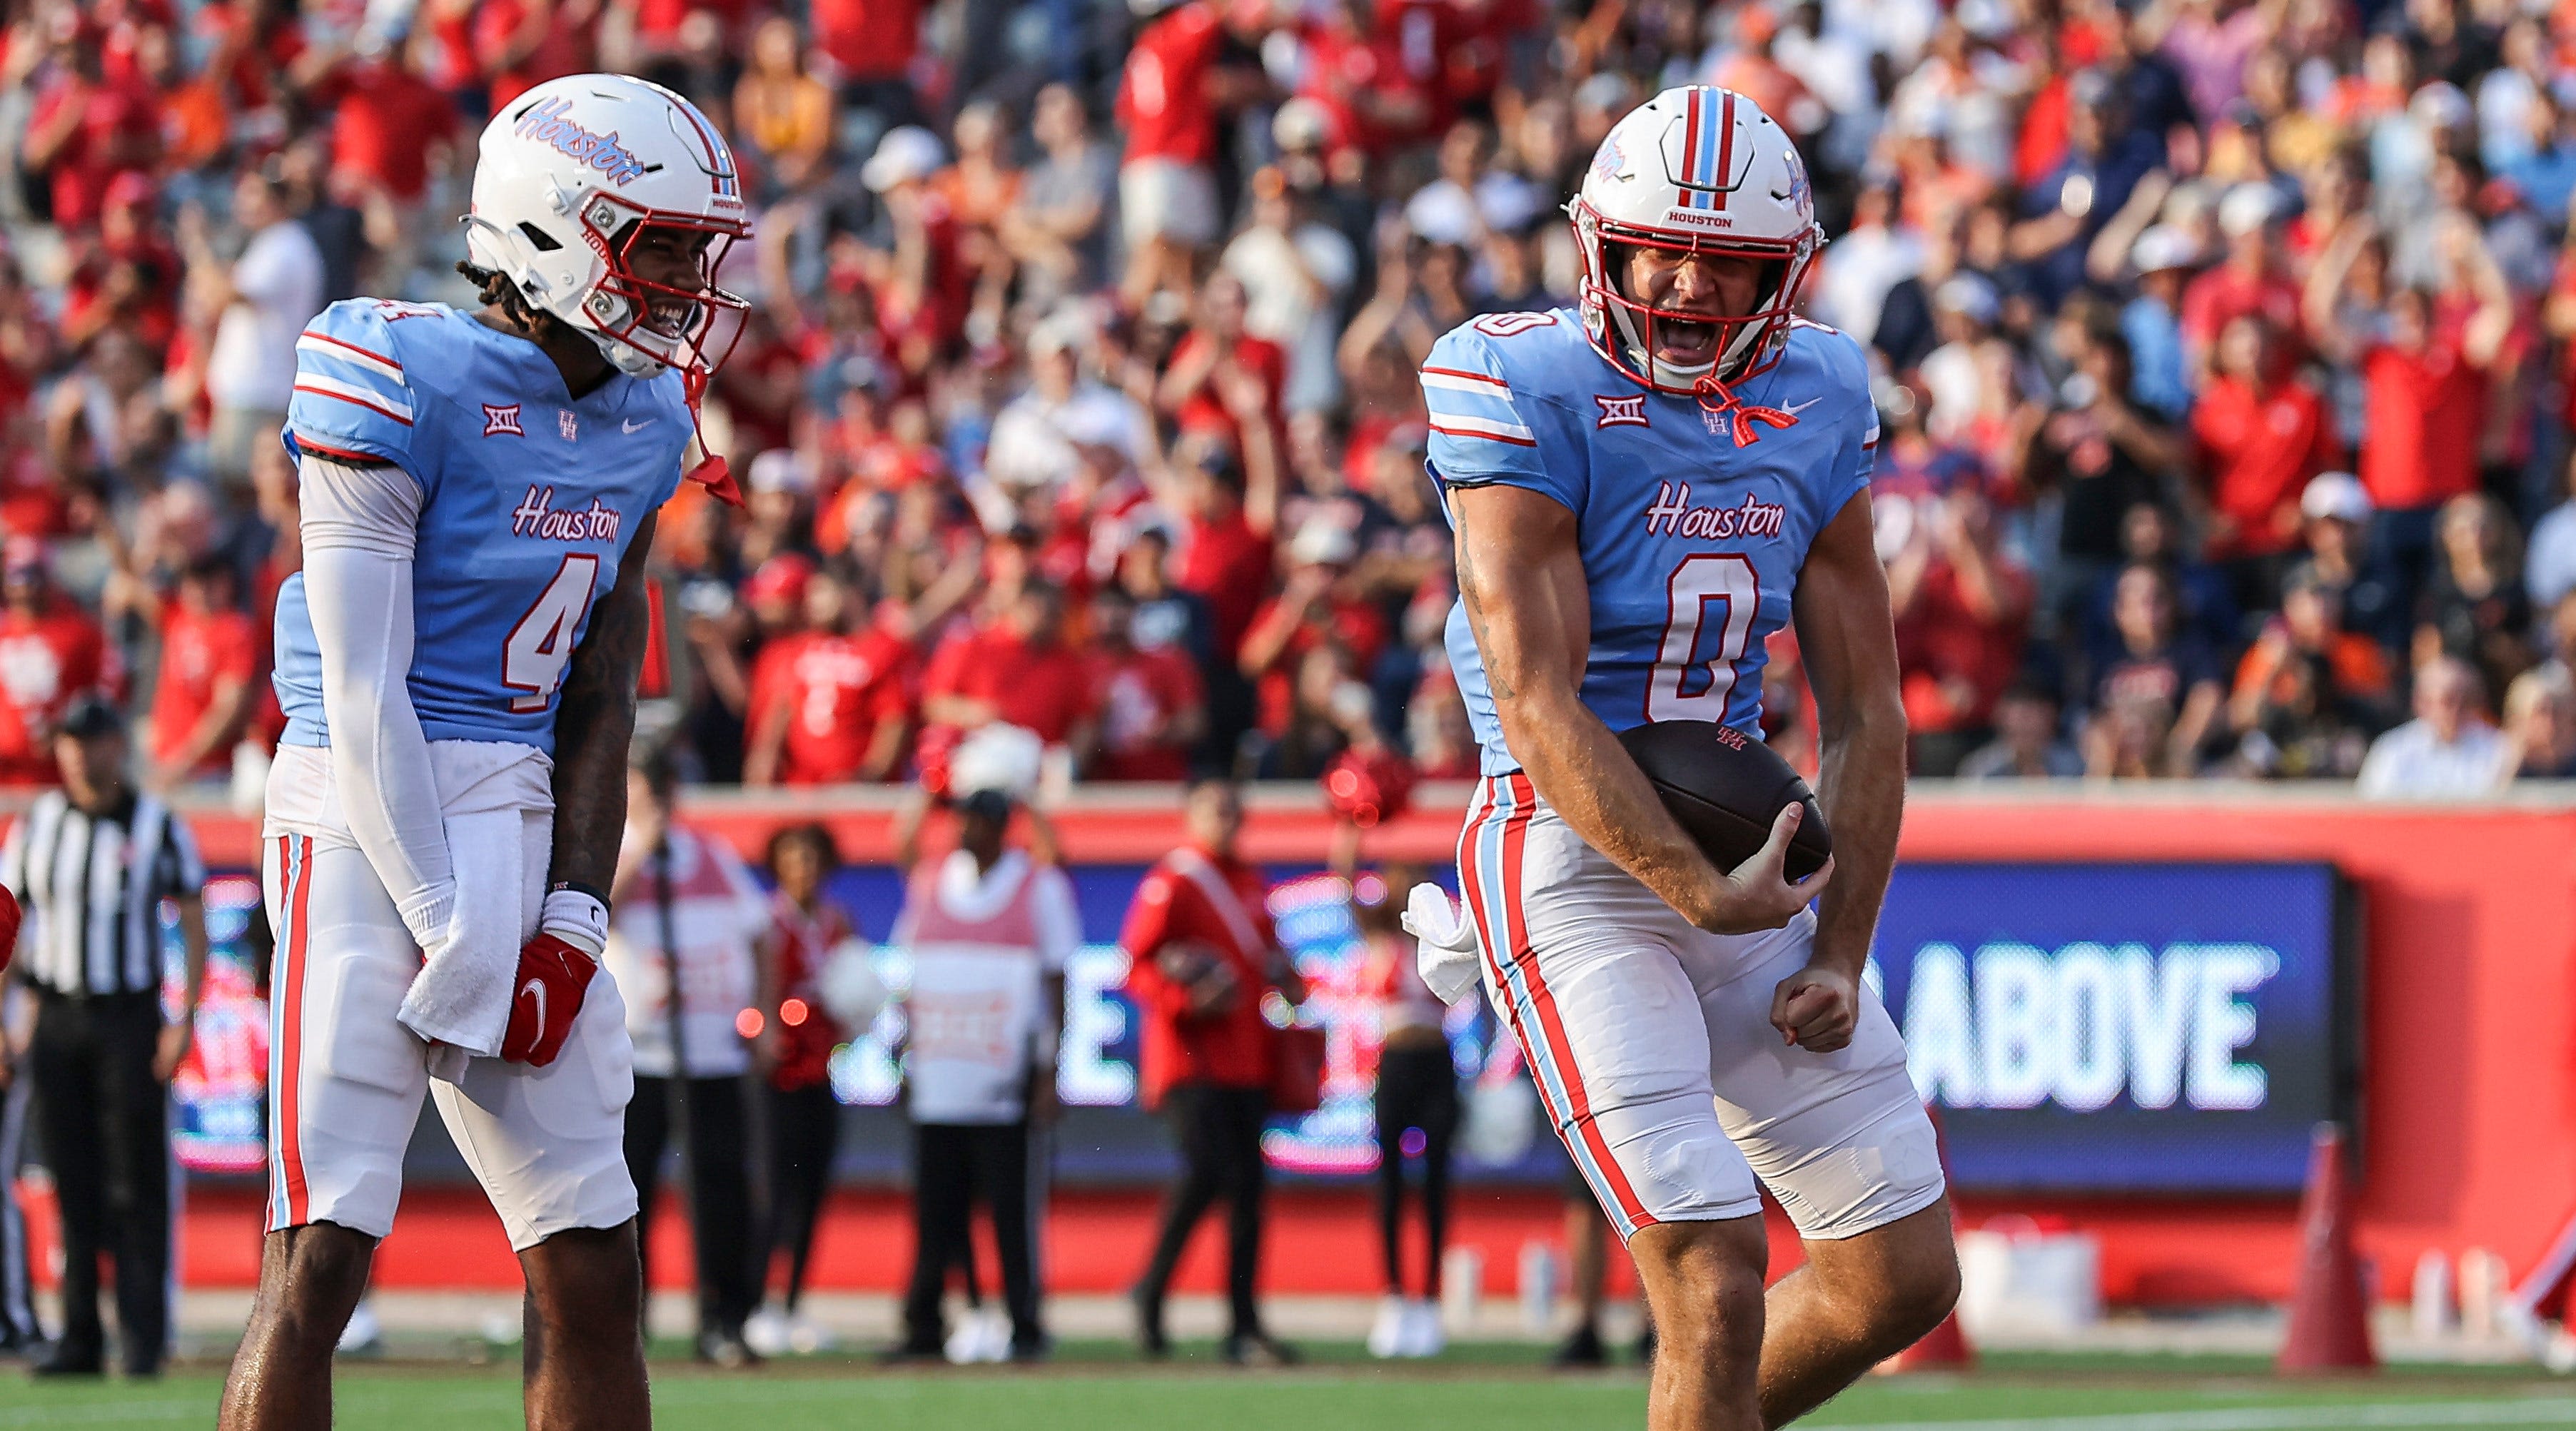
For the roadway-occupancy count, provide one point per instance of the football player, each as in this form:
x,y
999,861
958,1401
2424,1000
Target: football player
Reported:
x,y
1644,487
458,663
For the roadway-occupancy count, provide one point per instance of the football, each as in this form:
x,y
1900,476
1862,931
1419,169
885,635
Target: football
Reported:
x,y
1725,788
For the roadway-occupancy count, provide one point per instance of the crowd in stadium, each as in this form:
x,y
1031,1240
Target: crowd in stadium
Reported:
x,y
2221,354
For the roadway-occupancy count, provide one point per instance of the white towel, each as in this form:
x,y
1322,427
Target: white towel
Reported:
x,y
1446,953
460,1001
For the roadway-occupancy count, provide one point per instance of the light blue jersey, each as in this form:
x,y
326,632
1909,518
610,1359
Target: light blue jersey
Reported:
x,y
529,498
1693,523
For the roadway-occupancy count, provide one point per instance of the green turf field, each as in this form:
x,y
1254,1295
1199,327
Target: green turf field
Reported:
x,y
1498,1391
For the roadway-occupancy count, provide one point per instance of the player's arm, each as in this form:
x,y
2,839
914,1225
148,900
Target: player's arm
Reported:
x,y
1520,573
594,724
360,525
1848,640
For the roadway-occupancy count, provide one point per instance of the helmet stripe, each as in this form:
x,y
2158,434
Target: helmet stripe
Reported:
x,y
1725,150
1691,147
719,158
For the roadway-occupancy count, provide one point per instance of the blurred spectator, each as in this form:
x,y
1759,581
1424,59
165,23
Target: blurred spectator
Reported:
x,y
2155,700
781,112
210,654
2549,565
2026,744
50,653
2335,515
2540,725
1962,613
989,929
1066,418
2474,606
1153,709
1017,669
688,948
2356,670
1060,228
1179,78
2448,751
832,702
1202,958
2250,280
2264,435
88,127
2426,373
808,929
265,297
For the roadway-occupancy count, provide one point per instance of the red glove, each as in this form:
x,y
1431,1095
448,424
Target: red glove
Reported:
x,y
553,977
10,917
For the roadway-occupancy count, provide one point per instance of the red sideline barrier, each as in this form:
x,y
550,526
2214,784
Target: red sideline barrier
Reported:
x,y
2468,1127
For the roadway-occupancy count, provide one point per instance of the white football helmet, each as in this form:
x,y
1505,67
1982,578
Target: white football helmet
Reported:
x,y
570,175
1696,170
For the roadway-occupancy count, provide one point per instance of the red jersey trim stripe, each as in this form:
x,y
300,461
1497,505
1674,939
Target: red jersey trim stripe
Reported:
x,y
363,357
1487,380
1489,436
354,401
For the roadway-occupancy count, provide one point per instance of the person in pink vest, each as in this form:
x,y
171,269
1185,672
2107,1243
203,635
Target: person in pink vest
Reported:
x,y
989,929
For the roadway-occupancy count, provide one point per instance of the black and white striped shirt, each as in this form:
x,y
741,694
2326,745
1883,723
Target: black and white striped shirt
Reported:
x,y
92,886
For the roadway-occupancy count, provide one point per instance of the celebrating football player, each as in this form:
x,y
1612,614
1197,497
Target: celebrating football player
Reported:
x,y
1644,488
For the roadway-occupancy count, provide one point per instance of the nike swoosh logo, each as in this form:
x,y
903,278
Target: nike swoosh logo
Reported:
x,y
1794,409
538,988
632,426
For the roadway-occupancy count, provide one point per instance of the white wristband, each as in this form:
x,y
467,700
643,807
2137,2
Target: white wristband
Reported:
x,y
577,918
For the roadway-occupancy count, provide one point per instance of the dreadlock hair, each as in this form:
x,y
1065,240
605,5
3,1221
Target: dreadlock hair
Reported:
x,y
496,290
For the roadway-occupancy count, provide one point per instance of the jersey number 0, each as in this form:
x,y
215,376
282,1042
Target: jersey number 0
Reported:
x,y
540,646
1708,587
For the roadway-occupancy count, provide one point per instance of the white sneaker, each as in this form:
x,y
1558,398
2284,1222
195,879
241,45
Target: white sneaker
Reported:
x,y
1389,1334
996,1343
766,1332
806,1336
964,1338
1423,1334
364,1335
981,1336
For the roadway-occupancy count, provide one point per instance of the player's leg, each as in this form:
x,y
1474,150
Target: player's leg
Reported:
x,y
720,1216
134,1133
1002,1178
1858,1301
1390,1113
1194,1114
1703,1283
1841,1139
1581,959
942,1219
549,1146
310,1279
345,1083
644,1136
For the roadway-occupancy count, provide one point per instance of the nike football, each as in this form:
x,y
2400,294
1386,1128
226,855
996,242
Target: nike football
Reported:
x,y
1725,788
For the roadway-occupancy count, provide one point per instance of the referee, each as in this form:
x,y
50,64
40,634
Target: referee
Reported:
x,y
92,863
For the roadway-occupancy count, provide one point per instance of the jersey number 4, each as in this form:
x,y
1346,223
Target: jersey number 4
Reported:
x,y
1689,683
540,646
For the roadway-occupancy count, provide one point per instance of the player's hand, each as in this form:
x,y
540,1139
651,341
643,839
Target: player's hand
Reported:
x,y
1757,894
1816,1009
553,977
176,1040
